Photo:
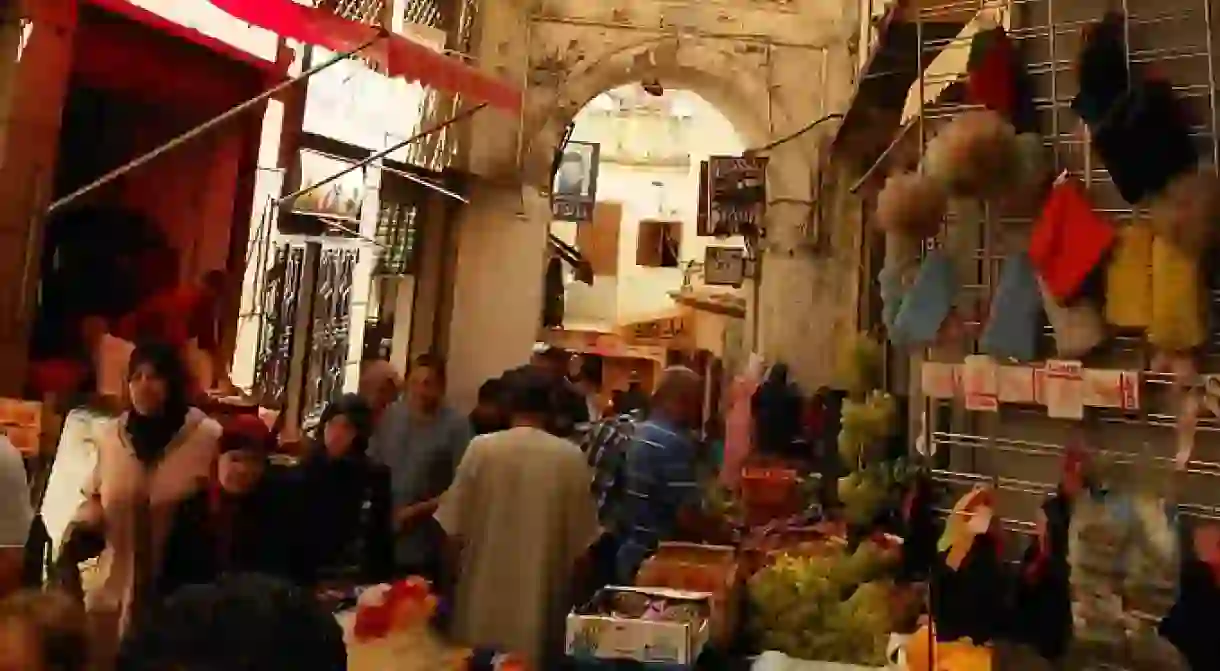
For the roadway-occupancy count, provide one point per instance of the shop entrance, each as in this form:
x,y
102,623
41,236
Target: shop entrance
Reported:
x,y
133,88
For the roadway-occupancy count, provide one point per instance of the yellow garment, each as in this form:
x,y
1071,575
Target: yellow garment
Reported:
x,y
959,534
1129,279
959,655
1178,313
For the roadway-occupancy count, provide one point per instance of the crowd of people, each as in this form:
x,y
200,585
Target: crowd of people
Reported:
x,y
207,556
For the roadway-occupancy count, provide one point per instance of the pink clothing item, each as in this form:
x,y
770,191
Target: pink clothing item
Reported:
x,y
739,428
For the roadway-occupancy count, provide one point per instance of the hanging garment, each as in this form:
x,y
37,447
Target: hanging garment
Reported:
x,y
1016,312
927,303
1129,278
1178,321
1190,624
738,422
968,602
1144,141
1101,68
900,269
969,580
1077,328
1123,554
1043,603
997,79
1069,240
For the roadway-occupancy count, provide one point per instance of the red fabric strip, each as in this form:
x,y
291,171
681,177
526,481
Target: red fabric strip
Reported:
x,y
164,25
398,56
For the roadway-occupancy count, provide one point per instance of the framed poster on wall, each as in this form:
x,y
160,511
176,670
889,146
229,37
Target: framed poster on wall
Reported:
x,y
340,198
575,188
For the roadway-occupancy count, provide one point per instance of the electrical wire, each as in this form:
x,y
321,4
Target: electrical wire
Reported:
x,y
792,136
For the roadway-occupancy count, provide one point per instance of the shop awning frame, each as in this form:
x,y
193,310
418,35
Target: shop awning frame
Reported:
x,y
377,155
206,126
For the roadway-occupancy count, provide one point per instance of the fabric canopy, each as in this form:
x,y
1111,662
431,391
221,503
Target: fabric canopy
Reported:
x,y
398,56
142,16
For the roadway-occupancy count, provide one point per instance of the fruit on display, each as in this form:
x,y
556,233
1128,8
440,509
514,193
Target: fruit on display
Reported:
x,y
866,423
860,365
832,607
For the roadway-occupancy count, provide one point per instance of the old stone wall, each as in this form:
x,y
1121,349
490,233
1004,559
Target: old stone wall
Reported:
x,y
770,66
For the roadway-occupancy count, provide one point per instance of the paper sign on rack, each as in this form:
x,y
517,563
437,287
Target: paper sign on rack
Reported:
x,y
1111,389
981,378
940,380
1018,384
1063,389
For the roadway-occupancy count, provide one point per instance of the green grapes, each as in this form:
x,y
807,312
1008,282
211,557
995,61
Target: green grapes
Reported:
x,y
799,608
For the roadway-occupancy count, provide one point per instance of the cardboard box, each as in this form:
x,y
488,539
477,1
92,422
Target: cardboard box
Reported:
x,y
591,634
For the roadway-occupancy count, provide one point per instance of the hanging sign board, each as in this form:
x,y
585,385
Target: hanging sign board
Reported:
x,y
575,189
736,194
702,226
724,266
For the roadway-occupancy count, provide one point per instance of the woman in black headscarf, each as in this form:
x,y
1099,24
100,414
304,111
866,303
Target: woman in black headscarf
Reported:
x,y
345,528
159,453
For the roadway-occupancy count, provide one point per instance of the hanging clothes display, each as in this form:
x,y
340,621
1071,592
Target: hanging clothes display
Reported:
x,y
739,422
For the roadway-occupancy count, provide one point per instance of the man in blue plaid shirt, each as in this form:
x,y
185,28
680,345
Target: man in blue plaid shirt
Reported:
x,y
660,485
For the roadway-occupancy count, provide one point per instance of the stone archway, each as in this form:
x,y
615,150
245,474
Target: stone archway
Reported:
x,y
806,298
726,74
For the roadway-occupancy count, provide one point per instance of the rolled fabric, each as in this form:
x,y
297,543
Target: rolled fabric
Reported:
x,y
1077,328
1179,320
1129,278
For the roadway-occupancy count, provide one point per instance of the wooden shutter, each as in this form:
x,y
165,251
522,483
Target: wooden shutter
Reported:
x,y
598,240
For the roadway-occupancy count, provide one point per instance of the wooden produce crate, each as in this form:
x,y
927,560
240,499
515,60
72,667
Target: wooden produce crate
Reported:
x,y
700,568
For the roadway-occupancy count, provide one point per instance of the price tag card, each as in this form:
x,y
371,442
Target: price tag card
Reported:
x,y
981,380
940,380
1017,384
1111,389
1063,389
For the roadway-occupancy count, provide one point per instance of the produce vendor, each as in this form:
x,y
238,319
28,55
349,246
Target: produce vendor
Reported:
x,y
660,479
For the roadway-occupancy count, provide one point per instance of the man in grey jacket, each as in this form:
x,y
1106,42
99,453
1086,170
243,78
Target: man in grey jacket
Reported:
x,y
422,441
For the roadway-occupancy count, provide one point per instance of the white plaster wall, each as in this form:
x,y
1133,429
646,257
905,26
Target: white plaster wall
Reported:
x,y
696,130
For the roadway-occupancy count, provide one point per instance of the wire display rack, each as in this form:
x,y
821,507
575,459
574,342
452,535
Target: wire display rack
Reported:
x,y
1019,451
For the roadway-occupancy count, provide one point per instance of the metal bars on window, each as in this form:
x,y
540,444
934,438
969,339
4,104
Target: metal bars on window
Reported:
x,y
329,330
364,11
281,293
397,233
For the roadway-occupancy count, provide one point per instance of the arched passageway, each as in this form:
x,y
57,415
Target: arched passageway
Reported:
x,y
493,295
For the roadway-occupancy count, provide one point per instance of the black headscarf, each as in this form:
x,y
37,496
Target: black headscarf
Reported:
x,y
359,413
151,434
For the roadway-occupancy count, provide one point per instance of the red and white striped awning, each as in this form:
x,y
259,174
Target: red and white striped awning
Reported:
x,y
396,55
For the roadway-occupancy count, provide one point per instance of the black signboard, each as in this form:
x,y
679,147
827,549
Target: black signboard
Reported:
x,y
736,194
575,189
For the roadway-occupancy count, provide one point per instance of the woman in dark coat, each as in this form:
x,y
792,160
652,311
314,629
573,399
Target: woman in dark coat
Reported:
x,y
236,523
343,499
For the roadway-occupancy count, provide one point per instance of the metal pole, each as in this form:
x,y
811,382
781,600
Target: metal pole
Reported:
x,y
385,152
204,128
